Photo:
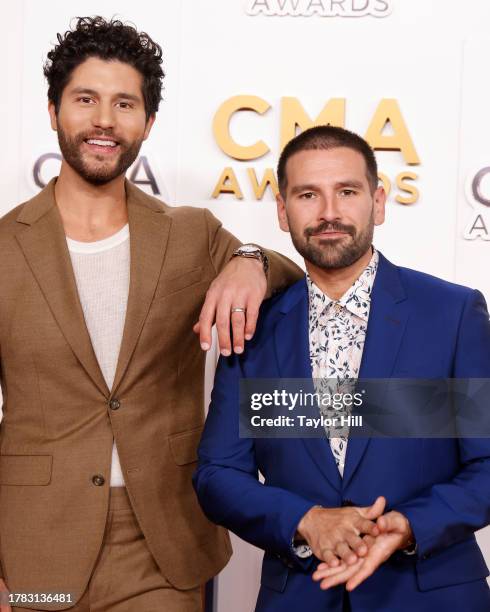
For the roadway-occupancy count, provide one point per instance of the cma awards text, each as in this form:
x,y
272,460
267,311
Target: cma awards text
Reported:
x,y
387,131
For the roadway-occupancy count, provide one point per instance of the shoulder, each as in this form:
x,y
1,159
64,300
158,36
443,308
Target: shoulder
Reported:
x,y
9,220
418,281
185,213
192,214
420,287
433,300
10,227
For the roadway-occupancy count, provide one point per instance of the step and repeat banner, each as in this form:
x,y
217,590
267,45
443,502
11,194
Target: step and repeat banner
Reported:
x,y
242,78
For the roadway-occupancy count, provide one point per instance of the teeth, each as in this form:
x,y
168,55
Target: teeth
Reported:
x,y
102,143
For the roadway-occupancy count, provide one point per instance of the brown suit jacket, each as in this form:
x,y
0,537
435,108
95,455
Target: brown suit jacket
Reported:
x,y
58,424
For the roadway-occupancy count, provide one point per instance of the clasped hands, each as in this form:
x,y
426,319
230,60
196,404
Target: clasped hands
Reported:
x,y
352,542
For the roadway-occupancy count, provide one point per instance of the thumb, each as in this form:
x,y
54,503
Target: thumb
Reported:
x,y
196,328
391,521
377,509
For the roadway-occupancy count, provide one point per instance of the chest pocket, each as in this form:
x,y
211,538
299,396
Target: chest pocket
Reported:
x,y
178,281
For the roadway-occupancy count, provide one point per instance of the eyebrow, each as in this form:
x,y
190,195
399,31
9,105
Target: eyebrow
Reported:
x,y
350,183
306,187
92,92
340,185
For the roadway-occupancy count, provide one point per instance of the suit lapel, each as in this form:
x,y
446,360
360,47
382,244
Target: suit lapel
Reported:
x,y
291,338
44,246
387,322
149,230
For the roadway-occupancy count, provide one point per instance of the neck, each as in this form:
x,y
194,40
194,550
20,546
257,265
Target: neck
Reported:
x,y
90,212
335,282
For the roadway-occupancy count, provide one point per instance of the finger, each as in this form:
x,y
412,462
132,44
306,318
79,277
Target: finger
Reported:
x,y
252,315
341,577
382,523
376,557
329,558
364,572
357,544
393,521
223,312
327,572
238,325
368,527
345,553
196,327
322,566
206,320
377,509
368,540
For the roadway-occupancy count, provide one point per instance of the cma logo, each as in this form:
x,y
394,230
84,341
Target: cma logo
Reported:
x,y
320,8
387,130
140,173
478,195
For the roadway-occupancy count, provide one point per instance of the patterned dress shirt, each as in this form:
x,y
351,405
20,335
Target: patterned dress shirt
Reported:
x,y
337,332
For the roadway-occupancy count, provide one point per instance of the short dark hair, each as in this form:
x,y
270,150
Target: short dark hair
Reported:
x,y
327,137
107,40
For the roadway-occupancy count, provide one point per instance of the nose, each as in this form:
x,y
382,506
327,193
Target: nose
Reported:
x,y
329,208
103,117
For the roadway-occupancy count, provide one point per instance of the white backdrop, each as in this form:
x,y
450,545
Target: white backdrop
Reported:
x,y
429,56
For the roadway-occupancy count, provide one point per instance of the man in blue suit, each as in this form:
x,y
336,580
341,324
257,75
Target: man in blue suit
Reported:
x,y
361,524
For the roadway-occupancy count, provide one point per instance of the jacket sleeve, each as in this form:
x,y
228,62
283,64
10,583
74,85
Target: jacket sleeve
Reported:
x,y
226,480
3,395
451,511
282,271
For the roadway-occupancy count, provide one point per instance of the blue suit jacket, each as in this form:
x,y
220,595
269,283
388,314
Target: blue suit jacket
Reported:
x,y
419,327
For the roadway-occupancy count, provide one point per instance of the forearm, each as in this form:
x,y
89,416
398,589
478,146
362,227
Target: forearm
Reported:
x,y
264,516
282,271
449,512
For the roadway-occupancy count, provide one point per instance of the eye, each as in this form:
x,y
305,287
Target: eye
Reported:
x,y
84,100
347,192
125,105
307,195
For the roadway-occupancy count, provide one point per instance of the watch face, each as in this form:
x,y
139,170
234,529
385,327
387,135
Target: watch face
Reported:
x,y
249,248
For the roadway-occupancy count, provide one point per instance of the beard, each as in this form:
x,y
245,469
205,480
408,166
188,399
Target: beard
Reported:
x,y
104,171
336,253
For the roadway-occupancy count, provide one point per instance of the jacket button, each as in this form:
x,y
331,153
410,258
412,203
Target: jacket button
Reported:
x,y
114,404
98,480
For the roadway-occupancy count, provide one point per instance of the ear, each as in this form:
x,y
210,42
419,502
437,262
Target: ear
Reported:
x,y
149,125
52,116
281,213
379,200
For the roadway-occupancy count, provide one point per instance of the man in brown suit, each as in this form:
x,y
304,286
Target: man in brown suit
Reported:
x,y
102,376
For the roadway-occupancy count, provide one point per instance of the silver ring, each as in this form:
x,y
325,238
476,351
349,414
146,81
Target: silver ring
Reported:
x,y
238,309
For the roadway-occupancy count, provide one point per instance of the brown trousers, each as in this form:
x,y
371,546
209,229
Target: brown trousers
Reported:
x,y
126,577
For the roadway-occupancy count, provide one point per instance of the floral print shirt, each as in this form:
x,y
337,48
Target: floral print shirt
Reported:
x,y
337,332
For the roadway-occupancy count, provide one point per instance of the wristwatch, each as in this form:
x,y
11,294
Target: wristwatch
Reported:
x,y
410,549
253,251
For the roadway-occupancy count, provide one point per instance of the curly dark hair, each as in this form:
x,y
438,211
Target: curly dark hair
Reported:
x,y
107,40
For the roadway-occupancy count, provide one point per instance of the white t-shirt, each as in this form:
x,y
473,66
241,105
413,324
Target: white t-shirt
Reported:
x,y
102,275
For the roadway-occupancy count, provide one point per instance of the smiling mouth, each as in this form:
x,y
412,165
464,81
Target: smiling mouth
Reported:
x,y
101,145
